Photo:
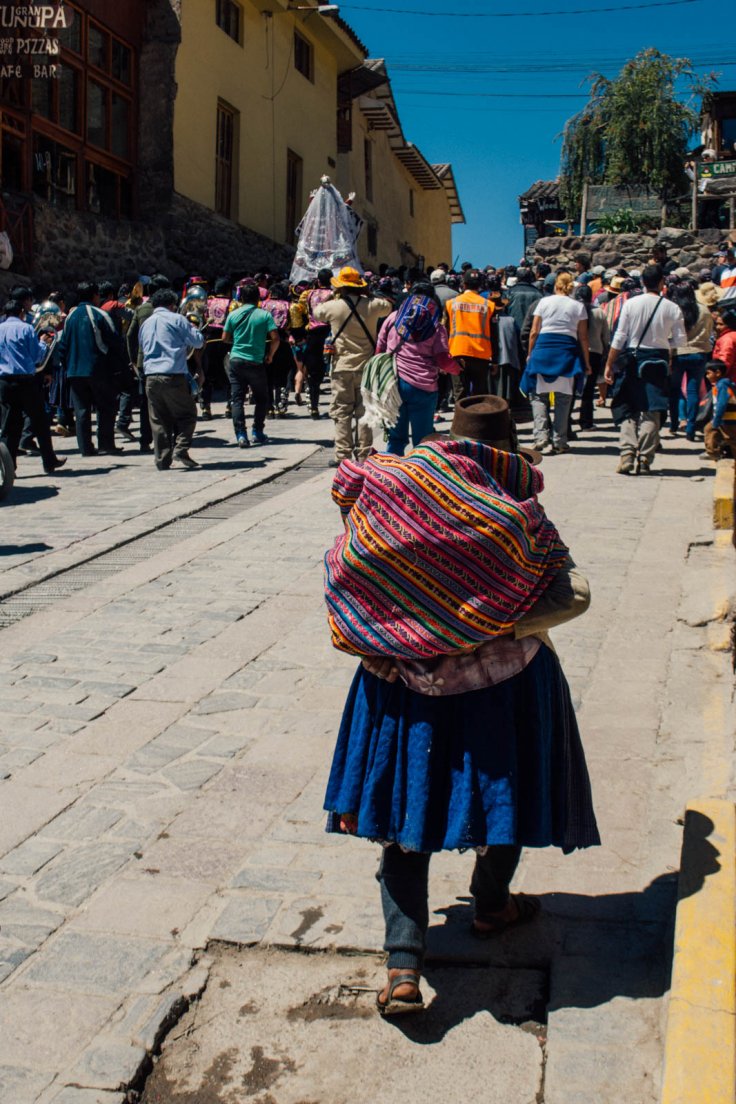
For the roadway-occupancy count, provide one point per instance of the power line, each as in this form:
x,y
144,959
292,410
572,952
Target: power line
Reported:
x,y
451,14
492,95
526,67
703,50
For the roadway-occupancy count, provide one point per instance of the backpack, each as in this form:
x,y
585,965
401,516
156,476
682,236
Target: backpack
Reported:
x,y
417,318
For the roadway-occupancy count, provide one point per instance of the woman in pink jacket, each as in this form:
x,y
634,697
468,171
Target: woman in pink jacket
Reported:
x,y
416,336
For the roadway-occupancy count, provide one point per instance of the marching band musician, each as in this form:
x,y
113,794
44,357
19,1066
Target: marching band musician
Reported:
x,y
219,305
315,337
194,307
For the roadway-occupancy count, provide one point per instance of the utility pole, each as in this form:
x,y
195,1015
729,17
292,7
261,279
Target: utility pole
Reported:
x,y
694,217
584,210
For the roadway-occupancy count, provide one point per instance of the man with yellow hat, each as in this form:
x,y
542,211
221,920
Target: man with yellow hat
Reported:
x,y
354,318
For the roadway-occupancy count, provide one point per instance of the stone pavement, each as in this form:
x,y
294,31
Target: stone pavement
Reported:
x,y
52,521
166,737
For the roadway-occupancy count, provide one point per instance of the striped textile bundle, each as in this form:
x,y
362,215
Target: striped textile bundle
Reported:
x,y
443,549
380,392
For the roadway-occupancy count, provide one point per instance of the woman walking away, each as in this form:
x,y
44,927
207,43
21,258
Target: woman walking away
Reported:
x,y
689,360
559,358
418,340
458,731
599,338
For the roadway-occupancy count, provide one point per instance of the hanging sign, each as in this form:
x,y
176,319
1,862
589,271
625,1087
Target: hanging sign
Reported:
x,y
713,170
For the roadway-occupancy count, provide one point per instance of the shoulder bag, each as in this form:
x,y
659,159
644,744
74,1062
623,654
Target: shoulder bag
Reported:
x,y
631,355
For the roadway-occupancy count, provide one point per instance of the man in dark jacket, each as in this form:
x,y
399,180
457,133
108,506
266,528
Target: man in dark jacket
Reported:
x,y
135,357
521,296
91,351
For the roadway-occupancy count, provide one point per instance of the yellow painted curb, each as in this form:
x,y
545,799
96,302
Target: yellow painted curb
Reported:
x,y
723,494
700,1046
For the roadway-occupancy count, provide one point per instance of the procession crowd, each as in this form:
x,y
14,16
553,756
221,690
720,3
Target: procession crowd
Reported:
x,y
447,573
400,348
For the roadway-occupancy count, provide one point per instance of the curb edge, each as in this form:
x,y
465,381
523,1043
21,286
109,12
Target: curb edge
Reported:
x,y
700,1042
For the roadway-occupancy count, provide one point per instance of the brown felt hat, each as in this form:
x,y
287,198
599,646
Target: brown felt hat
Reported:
x,y
487,419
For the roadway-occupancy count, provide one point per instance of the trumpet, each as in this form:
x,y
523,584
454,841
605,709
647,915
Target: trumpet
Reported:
x,y
47,319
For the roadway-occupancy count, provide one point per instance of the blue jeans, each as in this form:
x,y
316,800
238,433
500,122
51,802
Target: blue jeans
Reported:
x,y
403,877
417,412
692,366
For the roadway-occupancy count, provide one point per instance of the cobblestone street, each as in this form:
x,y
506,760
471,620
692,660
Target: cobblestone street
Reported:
x,y
166,733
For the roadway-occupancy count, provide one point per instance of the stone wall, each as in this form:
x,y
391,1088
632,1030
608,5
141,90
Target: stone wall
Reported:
x,y
199,240
72,245
689,249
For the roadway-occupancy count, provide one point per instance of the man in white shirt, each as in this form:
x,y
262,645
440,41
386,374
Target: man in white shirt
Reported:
x,y
649,329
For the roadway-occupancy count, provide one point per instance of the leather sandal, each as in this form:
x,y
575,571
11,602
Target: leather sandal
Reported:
x,y
396,1005
527,909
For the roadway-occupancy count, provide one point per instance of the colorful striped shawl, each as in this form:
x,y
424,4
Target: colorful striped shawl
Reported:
x,y
443,549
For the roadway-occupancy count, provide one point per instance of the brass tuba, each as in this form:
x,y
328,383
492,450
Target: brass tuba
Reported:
x,y
47,319
194,309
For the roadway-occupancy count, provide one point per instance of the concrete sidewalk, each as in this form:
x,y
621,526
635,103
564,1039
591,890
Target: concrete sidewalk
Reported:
x,y
167,735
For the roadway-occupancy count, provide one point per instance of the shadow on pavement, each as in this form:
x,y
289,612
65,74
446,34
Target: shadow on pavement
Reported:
x,y
21,549
588,951
74,473
22,495
685,472
245,461
587,448
212,442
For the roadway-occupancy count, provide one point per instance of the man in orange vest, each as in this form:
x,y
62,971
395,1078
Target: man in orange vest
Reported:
x,y
469,322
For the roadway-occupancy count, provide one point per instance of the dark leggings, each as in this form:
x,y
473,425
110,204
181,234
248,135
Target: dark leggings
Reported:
x,y
588,395
404,878
279,371
314,362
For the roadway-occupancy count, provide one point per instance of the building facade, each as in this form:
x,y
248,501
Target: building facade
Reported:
x,y
409,205
186,135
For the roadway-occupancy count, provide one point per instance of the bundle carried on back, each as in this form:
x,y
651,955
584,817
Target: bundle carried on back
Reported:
x,y
444,549
416,320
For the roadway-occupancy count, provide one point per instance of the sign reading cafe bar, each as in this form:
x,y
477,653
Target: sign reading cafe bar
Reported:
x,y
28,46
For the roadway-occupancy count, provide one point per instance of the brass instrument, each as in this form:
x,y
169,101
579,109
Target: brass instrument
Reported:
x,y
194,309
47,319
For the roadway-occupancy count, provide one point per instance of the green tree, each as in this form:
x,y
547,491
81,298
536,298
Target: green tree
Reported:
x,y
633,131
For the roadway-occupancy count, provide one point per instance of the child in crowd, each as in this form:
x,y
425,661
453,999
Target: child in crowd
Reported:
x,y
720,432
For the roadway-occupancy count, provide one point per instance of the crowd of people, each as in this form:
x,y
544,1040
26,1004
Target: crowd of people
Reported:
x,y
658,345
447,573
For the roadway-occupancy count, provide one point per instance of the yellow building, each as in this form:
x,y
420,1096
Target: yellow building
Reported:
x,y
269,98
409,205
186,135
254,118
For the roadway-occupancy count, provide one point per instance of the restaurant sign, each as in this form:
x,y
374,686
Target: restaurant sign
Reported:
x,y
29,42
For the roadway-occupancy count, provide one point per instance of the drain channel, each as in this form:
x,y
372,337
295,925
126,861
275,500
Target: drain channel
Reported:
x,y
39,596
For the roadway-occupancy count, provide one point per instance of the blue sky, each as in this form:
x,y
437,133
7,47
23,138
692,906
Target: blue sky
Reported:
x,y
500,128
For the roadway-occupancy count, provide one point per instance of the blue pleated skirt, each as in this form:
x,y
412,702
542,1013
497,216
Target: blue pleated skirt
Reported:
x,y
503,765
